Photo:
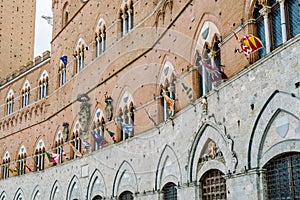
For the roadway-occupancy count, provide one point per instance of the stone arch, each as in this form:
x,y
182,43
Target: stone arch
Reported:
x,y
3,196
168,168
166,72
37,194
209,131
19,194
207,23
74,189
125,179
81,44
96,185
56,191
279,115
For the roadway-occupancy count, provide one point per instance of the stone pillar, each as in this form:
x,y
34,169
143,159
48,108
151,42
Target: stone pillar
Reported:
x,y
283,20
265,12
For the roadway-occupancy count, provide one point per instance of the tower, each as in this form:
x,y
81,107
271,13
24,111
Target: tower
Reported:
x,y
17,19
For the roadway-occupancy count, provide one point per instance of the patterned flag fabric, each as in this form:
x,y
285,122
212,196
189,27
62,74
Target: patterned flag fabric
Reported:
x,y
64,154
99,139
14,171
214,73
249,44
170,101
150,117
29,169
188,91
53,157
64,60
127,127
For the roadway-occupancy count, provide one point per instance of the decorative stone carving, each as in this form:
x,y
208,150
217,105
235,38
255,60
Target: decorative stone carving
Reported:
x,y
204,105
84,119
108,108
65,131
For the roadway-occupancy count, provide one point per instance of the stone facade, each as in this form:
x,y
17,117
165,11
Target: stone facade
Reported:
x,y
236,127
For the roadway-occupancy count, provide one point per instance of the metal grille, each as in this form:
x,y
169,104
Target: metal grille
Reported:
x,y
213,185
283,177
260,31
276,26
98,197
293,17
126,196
170,191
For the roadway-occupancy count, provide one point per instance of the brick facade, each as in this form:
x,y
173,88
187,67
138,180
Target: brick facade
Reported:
x,y
250,118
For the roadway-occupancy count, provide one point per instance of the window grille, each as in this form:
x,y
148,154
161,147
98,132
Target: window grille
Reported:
x,y
213,185
169,192
283,177
126,196
293,17
276,32
98,197
260,30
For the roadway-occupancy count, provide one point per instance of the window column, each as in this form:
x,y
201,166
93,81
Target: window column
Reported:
x,y
124,23
102,42
130,25
265,12
283,20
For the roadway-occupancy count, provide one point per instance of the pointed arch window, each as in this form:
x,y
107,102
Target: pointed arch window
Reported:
x,y
276,22
126,119
59,146
127,18
40,156
127,195
10,102
62,72
260,29
283,176
213,185
100,38
65,15
293,17
169,192
79,60
25,94
43,84
22,160
76,142
98,127
6,164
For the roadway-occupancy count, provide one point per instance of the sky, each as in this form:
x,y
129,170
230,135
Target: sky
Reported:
x,y
43,30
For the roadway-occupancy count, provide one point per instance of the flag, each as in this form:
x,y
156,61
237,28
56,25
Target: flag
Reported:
x,y
74,54
169,101
64,154
64,60
111,134
188,90
55,157
127,127
99,139
76,152
249,44
110,137
27,167
14,171
49,156
150,117
214,73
